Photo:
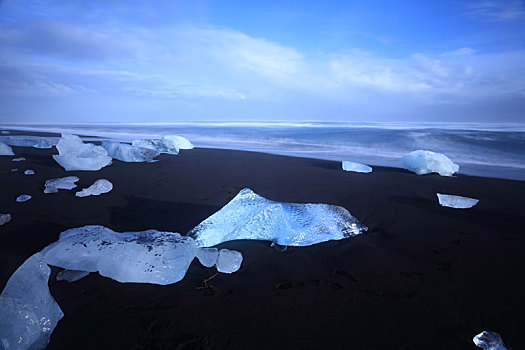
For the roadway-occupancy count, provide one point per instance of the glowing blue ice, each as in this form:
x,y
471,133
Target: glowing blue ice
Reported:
x,y
5,150
128,153
356,167
458,202
76,155
426,162
489,341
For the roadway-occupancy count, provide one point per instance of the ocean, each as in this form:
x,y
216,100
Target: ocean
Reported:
x,y
490,150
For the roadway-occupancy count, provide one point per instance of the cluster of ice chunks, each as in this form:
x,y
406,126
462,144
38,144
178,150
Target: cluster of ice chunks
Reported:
x,y
28,311
170,144
65,183
98,187
148,256
23,198
73,154
356,167
30,141
226,261
426,162
129,153
250,216
458,202
5,150
489,341
5,218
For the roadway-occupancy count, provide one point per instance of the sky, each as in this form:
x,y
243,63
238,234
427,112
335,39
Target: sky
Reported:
x,y
170,61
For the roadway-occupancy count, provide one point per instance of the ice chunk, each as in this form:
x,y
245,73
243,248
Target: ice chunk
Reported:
x,y
5,150
250,216
30,141
129,153
229,261
14,170
178,142
426,162
207,256
356,167
451,201
28,311
29,172
98,187
148,256
71,275
163,145
489,341
76,155
23,198
5,132
66,183
5,218
19,159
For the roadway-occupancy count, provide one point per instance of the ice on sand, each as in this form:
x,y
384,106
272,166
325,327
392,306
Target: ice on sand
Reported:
x,y
458,202
19,159
129,153
5,132
178,142
356,167
23,198
160,145
30,141
5,218
250,216
5,150
98,187
208,256
489,341
29,172
71,275
73,154
426,162
28,311
65,183
228,261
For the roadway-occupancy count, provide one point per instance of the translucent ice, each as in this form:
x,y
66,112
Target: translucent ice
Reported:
x,y
356,167
451,201
426,162
98,187
66,183
229,261
162,145
28,311
489,341
5,218
71,275
129,153
5,150
73,154
207,256
23,198
19,159
30,141
178,142
250,216
29,172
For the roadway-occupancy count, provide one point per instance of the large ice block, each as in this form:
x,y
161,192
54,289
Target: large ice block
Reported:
x,y
65,183
489,341
28,312
458,202
426,162
129,153
161,145
73,154
178,142
250,216
99,187
29,141
356,167
5,150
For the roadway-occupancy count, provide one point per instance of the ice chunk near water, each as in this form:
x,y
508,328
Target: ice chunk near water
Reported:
x,y
23,198
5,150
356,167
162,145
73,154
207,256
178,142
229,261
71,275
426,162
30,141
489,341
98,187
65,183
5,132
19,159
129,153
5,218
29,172
29,313
458,202
250,216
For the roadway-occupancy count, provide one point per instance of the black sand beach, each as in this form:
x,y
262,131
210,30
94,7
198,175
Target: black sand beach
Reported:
x,y
422,277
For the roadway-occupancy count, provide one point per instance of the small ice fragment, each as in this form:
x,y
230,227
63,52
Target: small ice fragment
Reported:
x,y
14,170
458,202
281,248
489,341
129,153
425,162
71,275
356,167
5,218
207,256
229,261
29,172
5,150
23,198
66,183
73,154
177,142
98,187
5,132
19,159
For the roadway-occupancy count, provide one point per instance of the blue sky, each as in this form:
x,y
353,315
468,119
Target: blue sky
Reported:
x,y
168,61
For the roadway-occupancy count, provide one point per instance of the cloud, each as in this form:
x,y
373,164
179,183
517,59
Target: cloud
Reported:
x,y
500,10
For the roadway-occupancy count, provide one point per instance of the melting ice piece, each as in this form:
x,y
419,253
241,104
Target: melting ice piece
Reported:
x,y
129,153
489,341
250,216
14,170
98,187
178,142
28,311
5,150
23,198
66,183
19,159
229,261
163,145
356,167
29,172
5,218
458,202
73,154
426,162
71,275
30,141
207,256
